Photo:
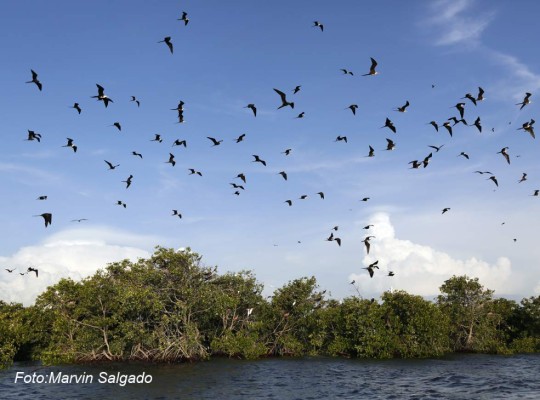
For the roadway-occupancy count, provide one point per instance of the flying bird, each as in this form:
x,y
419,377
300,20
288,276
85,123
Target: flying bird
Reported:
x,y
286,152
47,217
505,154
415,164
448,127
157,138
301,115
134,99
101,96
10,270
353,108
42,198
389,124
435,125
372,68
171,160
240,138
445,210
371,152
70,144
370,268
367,226
390,145
258,159
79,220
284,101
492,178
461,108
478,124
480,95
283,174
426,160
526,100
30,269
35,80
346,71
128,181
366,243
179,142
339,138
536,192
464,155
242,177
167,41
296,89
136,154
33,136
317,24
111,166
121,203
289,202
117,125
470,97
184,18
193,172
176,213
321,194
214,141
403,108
77,107
437,148
252,107
523,177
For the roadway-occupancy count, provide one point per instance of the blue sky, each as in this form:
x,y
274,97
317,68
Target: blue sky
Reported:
x,y
230,55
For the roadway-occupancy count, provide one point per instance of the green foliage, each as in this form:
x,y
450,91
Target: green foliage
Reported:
x,y
170,308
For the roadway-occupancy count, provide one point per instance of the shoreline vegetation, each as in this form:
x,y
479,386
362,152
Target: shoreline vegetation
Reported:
x,y
171,308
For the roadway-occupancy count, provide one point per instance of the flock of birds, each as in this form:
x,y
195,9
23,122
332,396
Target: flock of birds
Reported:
x,y
285,100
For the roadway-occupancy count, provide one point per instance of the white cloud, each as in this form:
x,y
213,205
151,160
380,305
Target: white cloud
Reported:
x,y
455,27
420,269
74,253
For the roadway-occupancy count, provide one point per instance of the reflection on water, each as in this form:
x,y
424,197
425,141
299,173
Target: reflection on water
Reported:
x,y
455,377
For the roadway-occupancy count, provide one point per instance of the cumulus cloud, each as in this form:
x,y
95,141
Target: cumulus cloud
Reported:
x,y
73,253
420,269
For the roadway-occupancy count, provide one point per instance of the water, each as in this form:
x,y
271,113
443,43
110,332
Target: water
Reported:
x,y
455,377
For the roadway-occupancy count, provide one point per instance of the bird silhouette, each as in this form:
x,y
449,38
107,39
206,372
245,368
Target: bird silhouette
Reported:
x,y
101,96
353,108
445,210
470,97
236,186
461,108
289,202
370,268
480,95
128,181
435,125
179,142
42,198
70,144
214,141
30,269
184,18
193,172
137,154
284,101
346,71
526,100
171,160
492,178
117,125
366,243
252,108
111,166
478,125
536,193
301,115
415,164
372,68
371,152
303,197
47,217
283,174
448,127
464,155
77,107
317,24
157,138
389,124
35,80
437,148
338,241
321,194
390,145
426,160
167,41
403,108
368,226
134,99
523,177
242,177
340,138
528,127
296,89
286,152
121,203
258,159
79,220
505,154
10,270
34,136
176,213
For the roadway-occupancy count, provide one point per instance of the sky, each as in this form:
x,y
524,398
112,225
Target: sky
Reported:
x,y
232,54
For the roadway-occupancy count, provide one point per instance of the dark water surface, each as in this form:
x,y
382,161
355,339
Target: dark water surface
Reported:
x,y
454,377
